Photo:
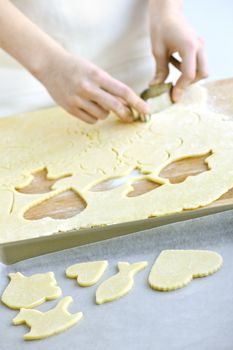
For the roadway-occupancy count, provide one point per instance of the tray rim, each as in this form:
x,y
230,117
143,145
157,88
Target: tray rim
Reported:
x,y
14,251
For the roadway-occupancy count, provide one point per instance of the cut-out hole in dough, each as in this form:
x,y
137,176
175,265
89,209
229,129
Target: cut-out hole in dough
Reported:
x,y
179,170
142,186
224,199
63,206
227,195
115,182
139,187
40,183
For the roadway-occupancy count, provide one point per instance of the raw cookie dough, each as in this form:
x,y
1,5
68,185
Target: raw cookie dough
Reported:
x,y
174,269
120,284
92,154
45,324
28,292
87,273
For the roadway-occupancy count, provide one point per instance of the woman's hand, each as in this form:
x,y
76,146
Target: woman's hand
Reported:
x,y
170,33
77,85
87,91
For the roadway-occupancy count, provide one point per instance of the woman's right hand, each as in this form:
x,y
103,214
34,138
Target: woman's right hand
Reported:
x,y
86,91
77,85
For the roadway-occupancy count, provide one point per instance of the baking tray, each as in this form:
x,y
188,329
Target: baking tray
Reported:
x,y
19,250
220,100
199,316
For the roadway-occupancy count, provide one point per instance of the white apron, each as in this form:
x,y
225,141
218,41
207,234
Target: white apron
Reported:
x,y
113,34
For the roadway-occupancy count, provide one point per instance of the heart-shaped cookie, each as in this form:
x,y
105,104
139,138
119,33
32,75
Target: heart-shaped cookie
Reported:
x,y
174,269
87,273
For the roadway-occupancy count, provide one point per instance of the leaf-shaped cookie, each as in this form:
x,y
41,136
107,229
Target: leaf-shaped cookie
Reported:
x,y
28,292
45,324
87,273
174,269
120,284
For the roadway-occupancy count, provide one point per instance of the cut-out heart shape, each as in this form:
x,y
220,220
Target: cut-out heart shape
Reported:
x,y
87,273
120,284
174,269
45,324
62,206
179,170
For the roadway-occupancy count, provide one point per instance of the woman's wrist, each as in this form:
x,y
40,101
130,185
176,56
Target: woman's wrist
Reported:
x,y
165,5
42,65
161,10
26,42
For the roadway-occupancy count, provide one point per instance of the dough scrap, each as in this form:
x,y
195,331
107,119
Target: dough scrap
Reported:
x,y
45,324
120,284
174,269
28,292
111,149
87,273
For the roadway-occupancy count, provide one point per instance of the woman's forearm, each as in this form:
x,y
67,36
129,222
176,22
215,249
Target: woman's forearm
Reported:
x,y
76,84
164,10
166,5
23,40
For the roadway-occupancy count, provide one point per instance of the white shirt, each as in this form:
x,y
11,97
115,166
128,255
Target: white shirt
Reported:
x,y
113,34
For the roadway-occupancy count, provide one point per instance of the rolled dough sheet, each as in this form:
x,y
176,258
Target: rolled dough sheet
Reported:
x,y
90,155
174,269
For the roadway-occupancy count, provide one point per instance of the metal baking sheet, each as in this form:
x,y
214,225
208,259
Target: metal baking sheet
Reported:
x,y
28,248
219,100
199,316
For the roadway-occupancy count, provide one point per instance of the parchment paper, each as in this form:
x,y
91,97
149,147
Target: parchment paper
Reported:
x,y
199,316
